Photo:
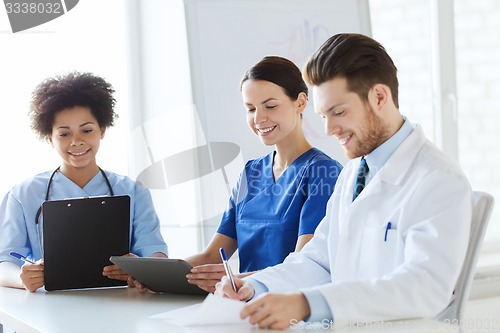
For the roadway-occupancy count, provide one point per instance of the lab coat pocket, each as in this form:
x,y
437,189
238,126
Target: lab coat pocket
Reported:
x,y
379,251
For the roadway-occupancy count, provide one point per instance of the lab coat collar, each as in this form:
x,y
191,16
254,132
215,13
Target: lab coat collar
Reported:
x,y
379,156
398,165
394,171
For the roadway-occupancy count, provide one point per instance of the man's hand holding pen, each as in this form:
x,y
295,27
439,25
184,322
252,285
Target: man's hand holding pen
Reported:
x,y
244,290
275,311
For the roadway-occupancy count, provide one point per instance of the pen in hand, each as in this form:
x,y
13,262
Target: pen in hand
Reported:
x,y
23,258
229,273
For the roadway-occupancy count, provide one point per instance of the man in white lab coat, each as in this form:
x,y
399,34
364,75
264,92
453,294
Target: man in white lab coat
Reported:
x,y
392,251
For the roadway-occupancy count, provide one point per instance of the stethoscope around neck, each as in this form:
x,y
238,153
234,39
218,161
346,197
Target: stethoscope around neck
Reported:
x,y
39,211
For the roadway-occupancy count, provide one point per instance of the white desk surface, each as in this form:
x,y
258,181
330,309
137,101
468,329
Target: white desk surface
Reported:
x,y
125,310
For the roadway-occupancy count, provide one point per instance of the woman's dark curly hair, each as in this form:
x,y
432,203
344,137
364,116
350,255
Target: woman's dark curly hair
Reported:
x,y
67,91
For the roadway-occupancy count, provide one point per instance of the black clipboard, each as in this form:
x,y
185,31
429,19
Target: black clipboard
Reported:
x,y
162,275
79,236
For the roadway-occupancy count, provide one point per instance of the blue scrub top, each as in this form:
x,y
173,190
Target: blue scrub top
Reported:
x,y
20,204
266,217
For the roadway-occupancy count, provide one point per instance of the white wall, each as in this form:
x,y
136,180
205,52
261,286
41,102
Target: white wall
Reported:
x,y
478,73
88,38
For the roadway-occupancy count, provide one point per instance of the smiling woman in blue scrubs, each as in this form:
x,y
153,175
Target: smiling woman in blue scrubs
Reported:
x,y
72,112
279,198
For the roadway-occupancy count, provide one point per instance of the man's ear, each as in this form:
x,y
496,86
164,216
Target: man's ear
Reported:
x,y
103,132
379,95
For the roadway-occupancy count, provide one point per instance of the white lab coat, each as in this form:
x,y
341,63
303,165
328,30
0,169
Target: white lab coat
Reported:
x,y
364,278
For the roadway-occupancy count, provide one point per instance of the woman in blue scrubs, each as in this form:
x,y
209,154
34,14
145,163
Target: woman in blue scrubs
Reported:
x,y
279,198
72,112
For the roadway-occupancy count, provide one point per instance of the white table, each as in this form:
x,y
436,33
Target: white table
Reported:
x,y
125,310
105,310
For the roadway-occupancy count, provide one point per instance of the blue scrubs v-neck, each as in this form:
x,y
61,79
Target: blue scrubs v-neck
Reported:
x,y
266,217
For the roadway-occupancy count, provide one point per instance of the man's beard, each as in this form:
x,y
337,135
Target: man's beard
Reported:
x,y
373,134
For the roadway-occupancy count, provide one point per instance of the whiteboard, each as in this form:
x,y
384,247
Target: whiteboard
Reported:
x,y
226,37
188,133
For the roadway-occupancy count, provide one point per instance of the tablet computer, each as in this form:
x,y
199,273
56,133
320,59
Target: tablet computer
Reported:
x,y
79,236
160,274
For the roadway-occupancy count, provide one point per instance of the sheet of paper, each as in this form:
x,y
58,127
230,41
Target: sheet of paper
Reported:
x,y
214,310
